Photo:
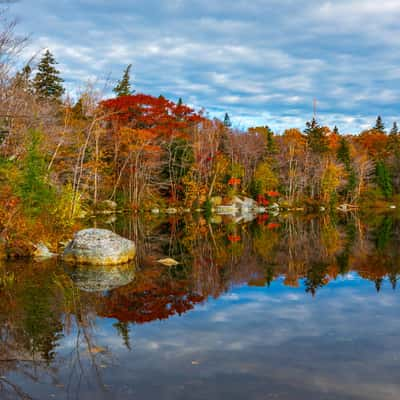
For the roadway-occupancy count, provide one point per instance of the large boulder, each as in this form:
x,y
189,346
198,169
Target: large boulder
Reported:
x,y
99,247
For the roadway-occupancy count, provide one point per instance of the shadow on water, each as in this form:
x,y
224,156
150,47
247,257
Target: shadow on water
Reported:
x,y
75,332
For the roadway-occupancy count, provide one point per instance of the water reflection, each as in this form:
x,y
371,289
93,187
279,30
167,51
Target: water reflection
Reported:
x,y
282,308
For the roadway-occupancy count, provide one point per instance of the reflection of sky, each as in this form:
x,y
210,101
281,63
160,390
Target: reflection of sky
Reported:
x,y
258,343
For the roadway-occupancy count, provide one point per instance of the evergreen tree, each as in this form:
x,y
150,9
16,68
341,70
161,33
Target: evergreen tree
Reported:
x,y
316,137
343,152
180,102
336,130
227,121
123,87
379,125
47,82
383,179
394,130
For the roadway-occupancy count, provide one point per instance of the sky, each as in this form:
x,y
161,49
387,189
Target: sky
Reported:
x,y
262,61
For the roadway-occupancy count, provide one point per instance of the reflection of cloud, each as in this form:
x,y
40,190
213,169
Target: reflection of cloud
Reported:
x,y
225,57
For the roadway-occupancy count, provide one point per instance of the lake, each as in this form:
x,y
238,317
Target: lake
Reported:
x,y
288,307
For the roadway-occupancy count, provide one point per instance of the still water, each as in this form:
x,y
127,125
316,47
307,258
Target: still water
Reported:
x,y
285,308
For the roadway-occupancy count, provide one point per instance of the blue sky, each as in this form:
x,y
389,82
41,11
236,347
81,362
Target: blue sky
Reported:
x,y
262,61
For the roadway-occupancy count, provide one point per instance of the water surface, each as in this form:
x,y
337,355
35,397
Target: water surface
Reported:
x,y
284,308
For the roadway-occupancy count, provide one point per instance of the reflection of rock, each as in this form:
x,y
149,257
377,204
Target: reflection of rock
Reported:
x,y
99,247
101,278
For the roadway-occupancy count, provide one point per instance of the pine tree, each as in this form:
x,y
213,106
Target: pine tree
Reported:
x,y
343,152
47,82
379,125
336,130
316,137
383,179
395,129
123,87
180,102
227,121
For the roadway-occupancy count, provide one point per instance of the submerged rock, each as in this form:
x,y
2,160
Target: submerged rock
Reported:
x,y
100,278
99,247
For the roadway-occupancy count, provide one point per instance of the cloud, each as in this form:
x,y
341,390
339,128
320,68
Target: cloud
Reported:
x,y
262,62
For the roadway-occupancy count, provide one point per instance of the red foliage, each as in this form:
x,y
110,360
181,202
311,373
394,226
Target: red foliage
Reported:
x,y
262,200
234,238
234,181
273,193
141,111
273,225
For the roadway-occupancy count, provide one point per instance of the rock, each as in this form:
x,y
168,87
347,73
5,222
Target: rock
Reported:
x,y
100,278
392,207
99,247
171,211
42,251
169,262
155,211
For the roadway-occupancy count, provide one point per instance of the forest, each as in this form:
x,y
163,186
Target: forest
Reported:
x,y
64,157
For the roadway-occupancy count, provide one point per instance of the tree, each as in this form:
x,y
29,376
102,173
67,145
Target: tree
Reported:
x,y
379,125
47,82
123,87
316,138
383,179
336,130
395,129
227,121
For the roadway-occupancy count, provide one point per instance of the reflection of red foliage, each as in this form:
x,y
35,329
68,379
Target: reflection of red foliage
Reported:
x,y
262,200
234,181
273,225
261,219
157,303
234,238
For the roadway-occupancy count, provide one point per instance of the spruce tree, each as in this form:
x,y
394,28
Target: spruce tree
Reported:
x,y
395,129
47,82
316,137
180,102
379,125
123,87
383,179
336,130
227,121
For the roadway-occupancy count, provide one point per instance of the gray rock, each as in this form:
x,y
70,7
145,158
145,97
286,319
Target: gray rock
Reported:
x,y
99,247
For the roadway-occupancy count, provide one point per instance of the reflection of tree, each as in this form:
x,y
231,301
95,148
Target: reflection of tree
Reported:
x,y
316,278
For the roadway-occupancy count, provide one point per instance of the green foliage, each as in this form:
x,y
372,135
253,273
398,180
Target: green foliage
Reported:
x,y
316,138
379,125
47,82
34,189
395,129
383,179
227,121
255,188
123,87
